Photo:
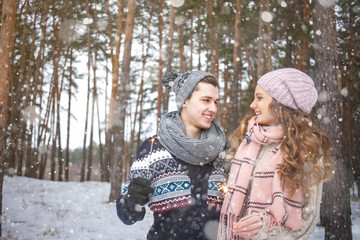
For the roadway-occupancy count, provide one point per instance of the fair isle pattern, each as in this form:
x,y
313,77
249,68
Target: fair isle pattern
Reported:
x,y
164,165
213,202
160,161
215,181
147,159
171,186
124,188
171,204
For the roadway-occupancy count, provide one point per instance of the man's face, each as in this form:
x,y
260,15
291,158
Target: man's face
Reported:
x,y
198,111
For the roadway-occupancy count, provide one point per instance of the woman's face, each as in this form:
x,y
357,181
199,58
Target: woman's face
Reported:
x,y
261,107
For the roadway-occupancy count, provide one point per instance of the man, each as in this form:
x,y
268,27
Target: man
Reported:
x,y
178,172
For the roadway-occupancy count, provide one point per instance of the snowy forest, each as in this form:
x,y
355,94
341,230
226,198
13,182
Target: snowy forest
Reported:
x,y
117,51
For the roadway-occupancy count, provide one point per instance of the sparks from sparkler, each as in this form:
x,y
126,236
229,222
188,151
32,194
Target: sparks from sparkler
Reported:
x,y
225,190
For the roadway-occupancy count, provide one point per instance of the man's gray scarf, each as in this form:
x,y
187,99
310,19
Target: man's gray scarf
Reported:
x,y
171,134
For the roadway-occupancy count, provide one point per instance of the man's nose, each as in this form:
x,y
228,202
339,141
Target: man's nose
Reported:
x,y
213,107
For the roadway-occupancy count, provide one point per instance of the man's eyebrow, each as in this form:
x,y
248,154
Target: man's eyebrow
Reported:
x,y
209,97
205,96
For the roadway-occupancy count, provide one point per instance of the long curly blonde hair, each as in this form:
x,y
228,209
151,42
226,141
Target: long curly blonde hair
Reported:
x,y
304,147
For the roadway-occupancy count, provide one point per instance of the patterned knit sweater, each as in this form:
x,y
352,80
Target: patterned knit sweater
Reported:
x,y
187,199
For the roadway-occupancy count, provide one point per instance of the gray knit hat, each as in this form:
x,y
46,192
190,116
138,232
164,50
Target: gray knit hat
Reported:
x,y
183,84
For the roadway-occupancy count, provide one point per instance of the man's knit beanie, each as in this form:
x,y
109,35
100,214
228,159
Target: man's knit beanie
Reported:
x,y
291,88
183,84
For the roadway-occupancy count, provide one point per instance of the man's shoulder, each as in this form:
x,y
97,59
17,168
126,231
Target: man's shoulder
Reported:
x,y
150,145
150,142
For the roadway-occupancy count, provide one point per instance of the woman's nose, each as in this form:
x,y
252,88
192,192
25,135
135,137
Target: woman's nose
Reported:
x,y
253,105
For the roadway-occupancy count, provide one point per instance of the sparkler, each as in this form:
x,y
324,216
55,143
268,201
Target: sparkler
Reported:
x,y
225,190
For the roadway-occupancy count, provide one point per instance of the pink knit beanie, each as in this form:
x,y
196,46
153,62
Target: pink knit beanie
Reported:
x,y
291,88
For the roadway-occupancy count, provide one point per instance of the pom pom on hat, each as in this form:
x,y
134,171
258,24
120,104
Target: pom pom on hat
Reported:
x,y
183,84
168,79
291,88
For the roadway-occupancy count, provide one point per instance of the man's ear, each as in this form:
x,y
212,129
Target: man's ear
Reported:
x,y
184,104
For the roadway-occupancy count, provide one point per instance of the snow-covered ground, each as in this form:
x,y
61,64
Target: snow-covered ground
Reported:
x,y
40,209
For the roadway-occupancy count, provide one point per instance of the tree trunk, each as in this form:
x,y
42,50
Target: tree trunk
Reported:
x,y
201,40
350,67
58,136
83,162
39,81
160,69
335,208
27,144
43,126
141,88
299,35
182,59
191,41
7,43
213,42
53,141
225,109
91,145
253,81
305,44
15,98
169,55
101,150
55,100
114,89
302,16
288,45
260,55
39,62
269,40
67,157
234,115
115,62
116,170
25,133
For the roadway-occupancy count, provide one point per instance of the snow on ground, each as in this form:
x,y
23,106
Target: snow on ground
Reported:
x,y
40,209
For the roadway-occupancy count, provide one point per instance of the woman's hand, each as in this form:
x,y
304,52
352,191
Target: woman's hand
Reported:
x,y
249,227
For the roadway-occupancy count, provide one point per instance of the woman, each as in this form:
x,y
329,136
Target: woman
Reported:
x,y
276,177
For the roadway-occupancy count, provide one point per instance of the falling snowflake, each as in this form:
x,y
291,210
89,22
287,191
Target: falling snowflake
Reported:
x,y
266,16
327,3
177,3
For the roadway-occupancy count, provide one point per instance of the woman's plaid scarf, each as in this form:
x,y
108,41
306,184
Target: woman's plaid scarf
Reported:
x,y
268,194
